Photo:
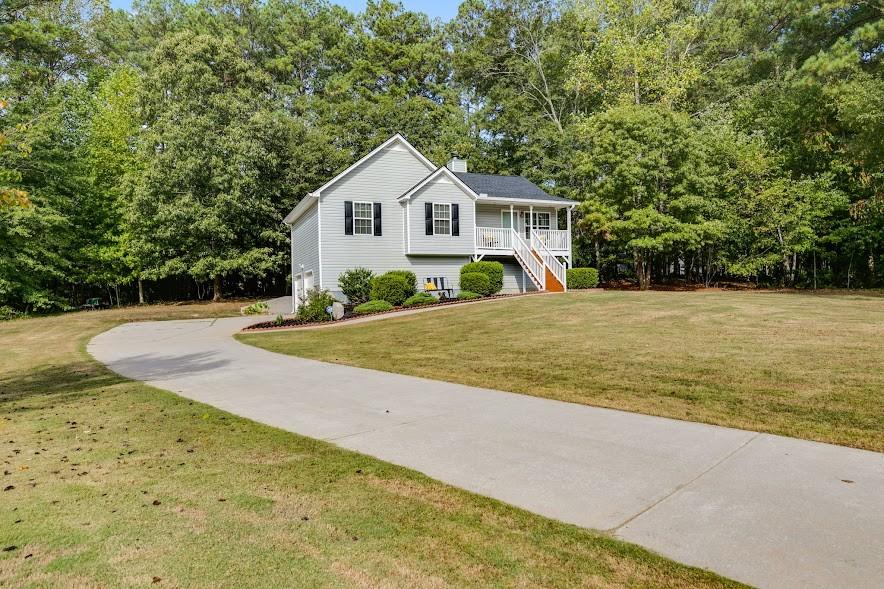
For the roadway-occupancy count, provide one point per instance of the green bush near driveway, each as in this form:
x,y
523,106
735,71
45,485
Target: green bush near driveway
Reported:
x,y
582,277
355,283
420,298
477,282
314,308
394,286
494,271
466,295
258,308
372,307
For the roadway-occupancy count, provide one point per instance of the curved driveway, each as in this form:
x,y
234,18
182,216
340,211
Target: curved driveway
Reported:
x,y
766,510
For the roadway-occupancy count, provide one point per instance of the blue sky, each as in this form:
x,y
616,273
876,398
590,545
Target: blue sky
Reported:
x,y
444,9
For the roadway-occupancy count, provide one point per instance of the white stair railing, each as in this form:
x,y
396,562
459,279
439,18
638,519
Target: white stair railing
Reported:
x,y
554,239
533,266
558,269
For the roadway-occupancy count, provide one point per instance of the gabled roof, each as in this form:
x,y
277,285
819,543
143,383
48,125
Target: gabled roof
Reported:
x,y
397,138
440,171
508,187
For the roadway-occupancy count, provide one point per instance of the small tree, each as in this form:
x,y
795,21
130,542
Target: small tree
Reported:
x,y
356,285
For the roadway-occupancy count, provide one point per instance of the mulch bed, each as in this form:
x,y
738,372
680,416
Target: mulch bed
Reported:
x,y
349,315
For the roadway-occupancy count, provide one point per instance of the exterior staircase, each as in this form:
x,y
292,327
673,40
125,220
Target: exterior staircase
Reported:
x,y
542,267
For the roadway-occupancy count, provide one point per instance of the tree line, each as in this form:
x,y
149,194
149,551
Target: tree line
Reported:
x,y
706,141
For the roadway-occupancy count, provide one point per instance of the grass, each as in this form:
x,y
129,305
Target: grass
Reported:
x,y
113,483
807,366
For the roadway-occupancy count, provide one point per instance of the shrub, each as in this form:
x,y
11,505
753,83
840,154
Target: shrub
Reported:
x,y
421,298
466,295
279,321
314,307
258,308
494,271
394,286
582,277
356,284
477,282
372,307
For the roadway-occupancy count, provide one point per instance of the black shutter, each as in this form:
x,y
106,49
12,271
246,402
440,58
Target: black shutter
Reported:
x,y
377,218
348,217
428,217
455,219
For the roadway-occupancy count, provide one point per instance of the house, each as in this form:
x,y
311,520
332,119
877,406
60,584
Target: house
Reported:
x,y
395,209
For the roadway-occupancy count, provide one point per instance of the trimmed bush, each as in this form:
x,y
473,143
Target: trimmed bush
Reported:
x,y
393,287
494,271
258,308
314,307
583,278
372,307
476,282
356,285
420,298
466,295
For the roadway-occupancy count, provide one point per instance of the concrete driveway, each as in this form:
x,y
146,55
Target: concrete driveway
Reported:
x,y
766,510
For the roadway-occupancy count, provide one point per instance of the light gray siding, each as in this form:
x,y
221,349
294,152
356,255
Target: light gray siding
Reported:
x,y
488,215
514,278
383,178
441,190
305,242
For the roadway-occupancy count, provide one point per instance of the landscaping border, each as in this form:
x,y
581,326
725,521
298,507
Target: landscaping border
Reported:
x,y
386,314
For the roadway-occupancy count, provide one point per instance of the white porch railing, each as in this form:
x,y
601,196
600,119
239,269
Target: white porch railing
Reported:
x,y
494,238
528,260
558,269
554,240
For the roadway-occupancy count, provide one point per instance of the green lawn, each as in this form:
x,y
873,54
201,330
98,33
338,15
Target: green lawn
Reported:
x,y
112,483
809,366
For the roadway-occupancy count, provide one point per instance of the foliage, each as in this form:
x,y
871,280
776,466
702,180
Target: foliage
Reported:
x,y
466,295
356,284
258,308
477,282
704,141
394,286
494,271
376,306
420,298
582,278
314,307
651,167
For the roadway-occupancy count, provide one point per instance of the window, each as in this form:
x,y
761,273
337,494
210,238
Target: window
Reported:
x,y
363,218
541,220
441,219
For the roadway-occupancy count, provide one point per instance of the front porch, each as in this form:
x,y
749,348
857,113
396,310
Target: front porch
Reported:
x,y
498,241
532,222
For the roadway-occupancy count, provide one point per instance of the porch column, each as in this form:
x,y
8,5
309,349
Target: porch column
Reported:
x,y
530,221
570,253
512,227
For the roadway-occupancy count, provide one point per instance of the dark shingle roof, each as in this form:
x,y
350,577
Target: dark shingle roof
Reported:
x,y
506,187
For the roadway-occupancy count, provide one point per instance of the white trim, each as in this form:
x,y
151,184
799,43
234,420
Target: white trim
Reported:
x,y
302,206
370,208
295,213
450,222
450,175
319,239
397,137
292,248
408,227
501,200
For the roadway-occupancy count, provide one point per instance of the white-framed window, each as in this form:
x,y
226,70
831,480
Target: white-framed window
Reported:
x,y
541,221
441,219
363,218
